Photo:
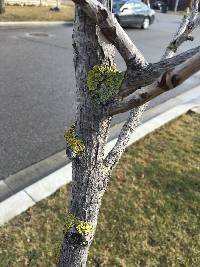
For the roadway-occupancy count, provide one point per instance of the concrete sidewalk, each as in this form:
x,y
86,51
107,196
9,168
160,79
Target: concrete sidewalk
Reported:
x,y
34,23
24,189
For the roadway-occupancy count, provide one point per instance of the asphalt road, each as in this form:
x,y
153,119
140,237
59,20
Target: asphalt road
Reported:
x,y
37,88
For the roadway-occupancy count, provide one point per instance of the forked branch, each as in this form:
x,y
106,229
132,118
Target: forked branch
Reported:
x,y
187,26
112,30
137,79
173,72
137,66
113,156
167,81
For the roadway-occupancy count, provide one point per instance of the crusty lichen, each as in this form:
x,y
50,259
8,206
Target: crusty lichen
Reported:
x,y
75,144
103,81
83,228
70,221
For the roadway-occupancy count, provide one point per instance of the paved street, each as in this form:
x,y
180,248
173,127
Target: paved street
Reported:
x,y
37,89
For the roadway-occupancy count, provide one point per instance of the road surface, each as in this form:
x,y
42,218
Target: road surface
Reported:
x,y
37,88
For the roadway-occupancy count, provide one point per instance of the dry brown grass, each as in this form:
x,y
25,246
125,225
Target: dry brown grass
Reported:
x,y
150,213
31,13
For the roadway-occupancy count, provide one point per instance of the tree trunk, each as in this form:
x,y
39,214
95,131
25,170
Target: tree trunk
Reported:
x,y
2,6
89,179
90,168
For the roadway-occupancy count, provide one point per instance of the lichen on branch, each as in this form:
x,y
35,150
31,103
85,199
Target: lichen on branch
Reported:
x,y
82,227
75,146
79,231
103,82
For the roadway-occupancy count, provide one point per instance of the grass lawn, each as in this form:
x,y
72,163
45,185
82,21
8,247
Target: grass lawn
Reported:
x,y
32,13
150,214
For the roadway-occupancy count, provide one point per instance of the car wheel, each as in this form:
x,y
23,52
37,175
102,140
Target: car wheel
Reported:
x,y
146,23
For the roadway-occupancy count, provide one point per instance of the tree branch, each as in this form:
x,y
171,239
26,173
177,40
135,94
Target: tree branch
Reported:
x,y
115,154
113,32
195,9
152,72
167,81
132,122
137,66
187,26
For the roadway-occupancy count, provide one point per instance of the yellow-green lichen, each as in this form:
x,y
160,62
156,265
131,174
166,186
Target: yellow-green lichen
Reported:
x,y
75,144
70,221
103,81
83,228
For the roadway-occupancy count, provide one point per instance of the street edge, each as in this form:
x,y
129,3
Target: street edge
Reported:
x,y
34,23
46,186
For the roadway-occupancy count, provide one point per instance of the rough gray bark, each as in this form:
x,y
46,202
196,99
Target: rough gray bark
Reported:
x,y
95,33
2,6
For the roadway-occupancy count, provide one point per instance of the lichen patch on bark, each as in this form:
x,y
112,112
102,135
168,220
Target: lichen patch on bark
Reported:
x,y
104,82
74,144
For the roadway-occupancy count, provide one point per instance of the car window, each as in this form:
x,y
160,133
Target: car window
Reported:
x,y
128,6
136,5
117,4
139,5
144,6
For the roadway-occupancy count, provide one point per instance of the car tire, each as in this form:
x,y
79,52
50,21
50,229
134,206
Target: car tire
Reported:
x,y
146,23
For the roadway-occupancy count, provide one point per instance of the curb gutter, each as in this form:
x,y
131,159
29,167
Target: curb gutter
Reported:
x,y
34,23
46,183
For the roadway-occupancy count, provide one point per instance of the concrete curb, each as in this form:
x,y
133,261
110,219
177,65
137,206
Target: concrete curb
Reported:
x,y
34,23
46,186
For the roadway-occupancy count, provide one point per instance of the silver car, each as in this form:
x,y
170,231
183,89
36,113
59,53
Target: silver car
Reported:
x,y
133,13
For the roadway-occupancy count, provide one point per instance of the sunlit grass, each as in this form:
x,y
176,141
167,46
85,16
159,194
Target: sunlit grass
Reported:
x,y
32,13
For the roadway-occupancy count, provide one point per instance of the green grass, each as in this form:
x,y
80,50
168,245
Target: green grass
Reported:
x,y
150,214
32,13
